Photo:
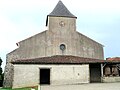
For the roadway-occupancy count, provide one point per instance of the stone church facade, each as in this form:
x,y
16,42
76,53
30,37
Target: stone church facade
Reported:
x,y
61,51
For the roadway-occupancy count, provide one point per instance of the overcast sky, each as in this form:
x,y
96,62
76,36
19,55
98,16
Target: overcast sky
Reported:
x,y
97,19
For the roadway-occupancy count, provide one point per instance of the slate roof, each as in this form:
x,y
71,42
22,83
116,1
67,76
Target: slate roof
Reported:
x,y
59,59
60,10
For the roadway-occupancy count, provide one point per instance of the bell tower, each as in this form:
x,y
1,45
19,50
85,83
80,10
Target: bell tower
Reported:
x,y
61,19
61,33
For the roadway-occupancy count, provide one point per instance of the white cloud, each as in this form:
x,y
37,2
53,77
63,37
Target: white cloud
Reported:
x,y
76,4
7,30
93,4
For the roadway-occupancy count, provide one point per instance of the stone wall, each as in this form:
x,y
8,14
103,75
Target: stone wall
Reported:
x,y
86,47
8,75
111,79
59,74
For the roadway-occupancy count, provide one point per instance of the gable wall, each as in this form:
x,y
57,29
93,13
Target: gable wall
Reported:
x,y
86,47
48,43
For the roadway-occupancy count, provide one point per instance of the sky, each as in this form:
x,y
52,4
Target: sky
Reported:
x,y
97,19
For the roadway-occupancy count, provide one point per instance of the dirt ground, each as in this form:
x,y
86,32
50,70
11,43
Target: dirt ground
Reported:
x,y
91,86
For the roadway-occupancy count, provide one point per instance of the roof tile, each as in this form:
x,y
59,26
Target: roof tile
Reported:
x,y
59,59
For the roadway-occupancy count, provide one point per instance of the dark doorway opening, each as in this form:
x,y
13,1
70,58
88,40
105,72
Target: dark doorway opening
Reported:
x,y
95,73
44,76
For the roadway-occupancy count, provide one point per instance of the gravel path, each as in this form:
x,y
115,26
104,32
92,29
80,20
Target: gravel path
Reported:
x,y
91,86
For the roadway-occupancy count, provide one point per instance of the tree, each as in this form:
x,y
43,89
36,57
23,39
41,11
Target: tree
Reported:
x,y
1,74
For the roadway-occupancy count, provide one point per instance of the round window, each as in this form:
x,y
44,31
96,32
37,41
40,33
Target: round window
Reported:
x,y
62,24
62,47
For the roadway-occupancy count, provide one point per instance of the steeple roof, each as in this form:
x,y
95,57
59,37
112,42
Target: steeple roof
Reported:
x,y
60,10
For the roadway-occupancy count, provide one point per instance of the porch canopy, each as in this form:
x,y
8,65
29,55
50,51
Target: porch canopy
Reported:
x,y
64,59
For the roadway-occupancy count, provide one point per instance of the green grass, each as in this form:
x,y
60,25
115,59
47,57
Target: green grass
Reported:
x,y
18,88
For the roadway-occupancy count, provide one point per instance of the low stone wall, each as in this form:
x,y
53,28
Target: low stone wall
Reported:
x,y
111,79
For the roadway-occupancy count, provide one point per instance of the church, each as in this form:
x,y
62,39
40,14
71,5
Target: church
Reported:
x,y
57,56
